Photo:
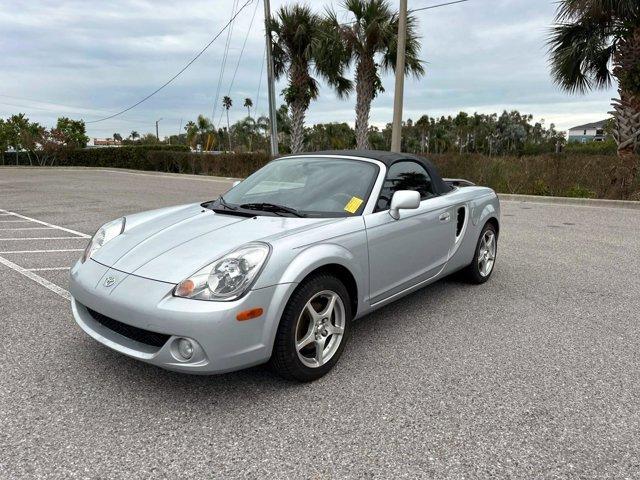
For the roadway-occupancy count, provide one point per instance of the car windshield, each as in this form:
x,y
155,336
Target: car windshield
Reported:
x,y
313,187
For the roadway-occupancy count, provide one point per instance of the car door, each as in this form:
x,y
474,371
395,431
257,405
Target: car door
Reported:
x,y
405,252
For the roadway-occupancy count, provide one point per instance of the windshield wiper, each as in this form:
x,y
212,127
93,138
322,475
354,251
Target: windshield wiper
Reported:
x,y
272,207
224,203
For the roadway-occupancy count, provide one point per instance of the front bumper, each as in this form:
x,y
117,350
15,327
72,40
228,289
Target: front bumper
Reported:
x,y
221,343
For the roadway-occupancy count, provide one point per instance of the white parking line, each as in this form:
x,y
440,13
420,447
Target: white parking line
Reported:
x,y
29,272
39,238
174,176
36,278
27,228
68,230
43,251
46,269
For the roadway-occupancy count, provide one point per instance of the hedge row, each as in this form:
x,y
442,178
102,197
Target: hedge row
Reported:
x,y
569,174
136,157
160,158
566,175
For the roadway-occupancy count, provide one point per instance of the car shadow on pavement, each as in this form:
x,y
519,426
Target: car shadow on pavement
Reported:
x,y
374,330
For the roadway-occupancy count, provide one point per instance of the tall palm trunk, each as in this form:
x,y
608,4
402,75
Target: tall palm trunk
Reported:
x,y
297,126
229,131
298,102
626,114
365,91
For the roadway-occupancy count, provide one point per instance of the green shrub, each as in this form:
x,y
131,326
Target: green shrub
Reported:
x,y
160,158
555,175
568,174
578,191
608,147
540,188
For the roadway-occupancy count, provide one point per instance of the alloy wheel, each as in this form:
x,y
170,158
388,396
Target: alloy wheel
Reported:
x,y
487,253
320,329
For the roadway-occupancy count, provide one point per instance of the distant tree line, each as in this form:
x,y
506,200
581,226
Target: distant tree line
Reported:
x,y
507,133
40,144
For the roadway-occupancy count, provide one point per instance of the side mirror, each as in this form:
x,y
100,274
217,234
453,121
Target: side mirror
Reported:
x,y
403,199
237,182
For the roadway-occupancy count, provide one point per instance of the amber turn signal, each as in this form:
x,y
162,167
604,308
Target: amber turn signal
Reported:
x,y
185,288
249,314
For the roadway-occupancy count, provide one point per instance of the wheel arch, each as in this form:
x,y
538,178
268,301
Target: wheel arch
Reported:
x,y
348,266
343,274
496,224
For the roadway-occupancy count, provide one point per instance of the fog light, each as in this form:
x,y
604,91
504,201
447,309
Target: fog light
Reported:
x,y
185,348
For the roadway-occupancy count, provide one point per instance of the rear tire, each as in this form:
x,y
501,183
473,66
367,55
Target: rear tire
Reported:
x,y
484,258
313,330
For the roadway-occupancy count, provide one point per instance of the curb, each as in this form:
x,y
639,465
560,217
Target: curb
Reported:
x,y
187,176
583,202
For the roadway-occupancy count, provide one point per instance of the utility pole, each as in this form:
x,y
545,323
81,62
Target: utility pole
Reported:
x,y
396,133
157,136
271,81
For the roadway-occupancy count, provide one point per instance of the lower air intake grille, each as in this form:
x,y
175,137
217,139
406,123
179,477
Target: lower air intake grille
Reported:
x,y
134,333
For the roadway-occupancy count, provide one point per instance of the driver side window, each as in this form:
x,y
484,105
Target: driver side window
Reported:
x,y
404,176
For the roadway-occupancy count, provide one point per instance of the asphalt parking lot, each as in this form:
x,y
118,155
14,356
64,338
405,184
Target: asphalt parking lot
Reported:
x,y
533,375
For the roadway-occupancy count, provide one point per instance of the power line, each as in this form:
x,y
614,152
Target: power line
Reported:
x,y
223,67
180,72
235,72
264,57
55,107
419,9
436,6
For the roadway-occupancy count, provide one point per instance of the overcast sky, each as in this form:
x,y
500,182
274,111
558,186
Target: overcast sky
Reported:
x,y
87,59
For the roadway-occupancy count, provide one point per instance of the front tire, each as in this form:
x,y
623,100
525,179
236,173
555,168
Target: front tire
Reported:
x,y
484,258
313,330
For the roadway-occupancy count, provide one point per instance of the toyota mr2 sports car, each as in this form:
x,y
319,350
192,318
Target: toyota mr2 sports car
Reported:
x,y
277,268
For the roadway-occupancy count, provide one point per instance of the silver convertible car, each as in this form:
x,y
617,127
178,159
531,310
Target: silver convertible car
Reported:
x,y
276,269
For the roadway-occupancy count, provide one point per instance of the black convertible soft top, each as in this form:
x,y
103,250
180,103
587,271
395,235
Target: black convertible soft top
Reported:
x,y
389,158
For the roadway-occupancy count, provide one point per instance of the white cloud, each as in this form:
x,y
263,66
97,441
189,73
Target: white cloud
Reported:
x,y
89,58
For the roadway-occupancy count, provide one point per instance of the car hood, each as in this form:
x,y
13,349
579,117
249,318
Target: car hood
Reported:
x,y
169,245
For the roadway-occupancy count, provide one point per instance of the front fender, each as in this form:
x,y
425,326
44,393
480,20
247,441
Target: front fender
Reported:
x,y
313,257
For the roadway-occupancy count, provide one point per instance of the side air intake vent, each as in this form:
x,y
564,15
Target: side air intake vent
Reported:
x,y
460,220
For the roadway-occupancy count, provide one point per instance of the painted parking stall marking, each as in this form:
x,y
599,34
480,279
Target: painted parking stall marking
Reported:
x,y
26,228
43,251
21,231
57,227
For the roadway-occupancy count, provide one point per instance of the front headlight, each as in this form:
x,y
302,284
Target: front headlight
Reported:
x,y
104,234
228,278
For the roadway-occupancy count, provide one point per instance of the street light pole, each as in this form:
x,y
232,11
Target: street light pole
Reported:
x,y
271,81
157,136
396,133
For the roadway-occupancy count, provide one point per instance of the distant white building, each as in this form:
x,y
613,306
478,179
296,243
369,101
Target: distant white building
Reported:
x,y
106,142
591,132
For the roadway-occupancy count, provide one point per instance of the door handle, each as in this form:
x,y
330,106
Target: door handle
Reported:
x,y
444,217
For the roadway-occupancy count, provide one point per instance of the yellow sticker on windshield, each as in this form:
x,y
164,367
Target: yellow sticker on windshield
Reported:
x,y
353,205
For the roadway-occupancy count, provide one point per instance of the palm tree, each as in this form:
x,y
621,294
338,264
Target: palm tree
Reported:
x,y
192,132
227,103
593,41
298,49
248,103
134,135
370,41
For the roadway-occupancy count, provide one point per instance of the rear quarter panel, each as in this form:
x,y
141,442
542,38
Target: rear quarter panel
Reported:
x,y
483,204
